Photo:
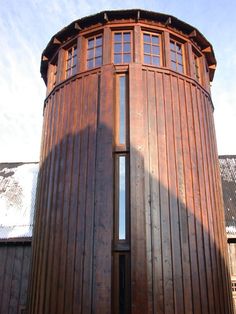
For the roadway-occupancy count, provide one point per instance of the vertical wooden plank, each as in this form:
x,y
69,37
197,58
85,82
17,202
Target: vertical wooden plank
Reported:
x,y
224,277
74,147
166,49
81,205
191,196
103,223
65,207
182,153
90,196
62,205
165,204
58,201
206,209
139,297
178,102
190,59
24,289
51,214
16,280
156,164
76,215
8,279
171,100
46,208
148,100
3,260
136,42
38,212
198,183
213,213
41,206
107,45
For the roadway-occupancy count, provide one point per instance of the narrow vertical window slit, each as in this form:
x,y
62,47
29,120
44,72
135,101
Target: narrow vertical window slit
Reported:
x,y
122,197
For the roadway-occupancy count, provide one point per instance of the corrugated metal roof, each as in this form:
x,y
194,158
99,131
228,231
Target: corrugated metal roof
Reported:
x,y
228,178
17,198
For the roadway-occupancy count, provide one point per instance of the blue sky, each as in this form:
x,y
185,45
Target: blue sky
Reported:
x,y
26,26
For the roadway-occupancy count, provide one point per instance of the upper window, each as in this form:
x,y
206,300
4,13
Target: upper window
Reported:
x,y
122,47
196,67
176,56
94,52
151,49
71,61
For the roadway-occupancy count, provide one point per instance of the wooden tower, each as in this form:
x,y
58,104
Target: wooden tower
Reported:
x,y
129,215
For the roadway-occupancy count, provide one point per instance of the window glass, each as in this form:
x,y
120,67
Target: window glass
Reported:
x,y
122,109
151,49
196,67
94,52
122,47
176,56
122,198
71,61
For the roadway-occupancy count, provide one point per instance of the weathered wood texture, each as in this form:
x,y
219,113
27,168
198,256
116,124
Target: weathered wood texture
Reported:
x,y
178,243
73,228
14,273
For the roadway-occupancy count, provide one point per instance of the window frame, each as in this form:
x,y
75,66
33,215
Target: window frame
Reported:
x,y
178,41
87,49
196,67
131,53
72,58
119,145
121,244
160,56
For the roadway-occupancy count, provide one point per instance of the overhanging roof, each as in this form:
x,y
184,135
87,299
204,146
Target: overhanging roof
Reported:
x,y
103,17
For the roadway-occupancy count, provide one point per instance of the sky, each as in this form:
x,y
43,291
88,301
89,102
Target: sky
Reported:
x,y
26,27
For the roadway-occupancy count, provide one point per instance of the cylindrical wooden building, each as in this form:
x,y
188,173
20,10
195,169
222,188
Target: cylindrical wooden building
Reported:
x,y
129,215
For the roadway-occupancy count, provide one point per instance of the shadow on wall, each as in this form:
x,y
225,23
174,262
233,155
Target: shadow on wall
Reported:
x,y
178,249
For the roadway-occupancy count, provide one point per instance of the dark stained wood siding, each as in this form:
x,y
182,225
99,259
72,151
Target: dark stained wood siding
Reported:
x,y
73,233
177,246
14,275
178,243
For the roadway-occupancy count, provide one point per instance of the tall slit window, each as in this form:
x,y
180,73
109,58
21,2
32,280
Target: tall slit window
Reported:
x,y
176,56
121,110
94,52
152,49
121,236
122,197
71,61
122,47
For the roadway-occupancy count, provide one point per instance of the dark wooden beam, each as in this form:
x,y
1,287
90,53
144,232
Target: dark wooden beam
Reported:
x,y
106,17
76,26
138,15
207,50
168,21
193,34
56,41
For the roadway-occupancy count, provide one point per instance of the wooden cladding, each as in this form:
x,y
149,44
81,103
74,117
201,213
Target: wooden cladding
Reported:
x,y
129,216
73,228
132,226
15,259
178,256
